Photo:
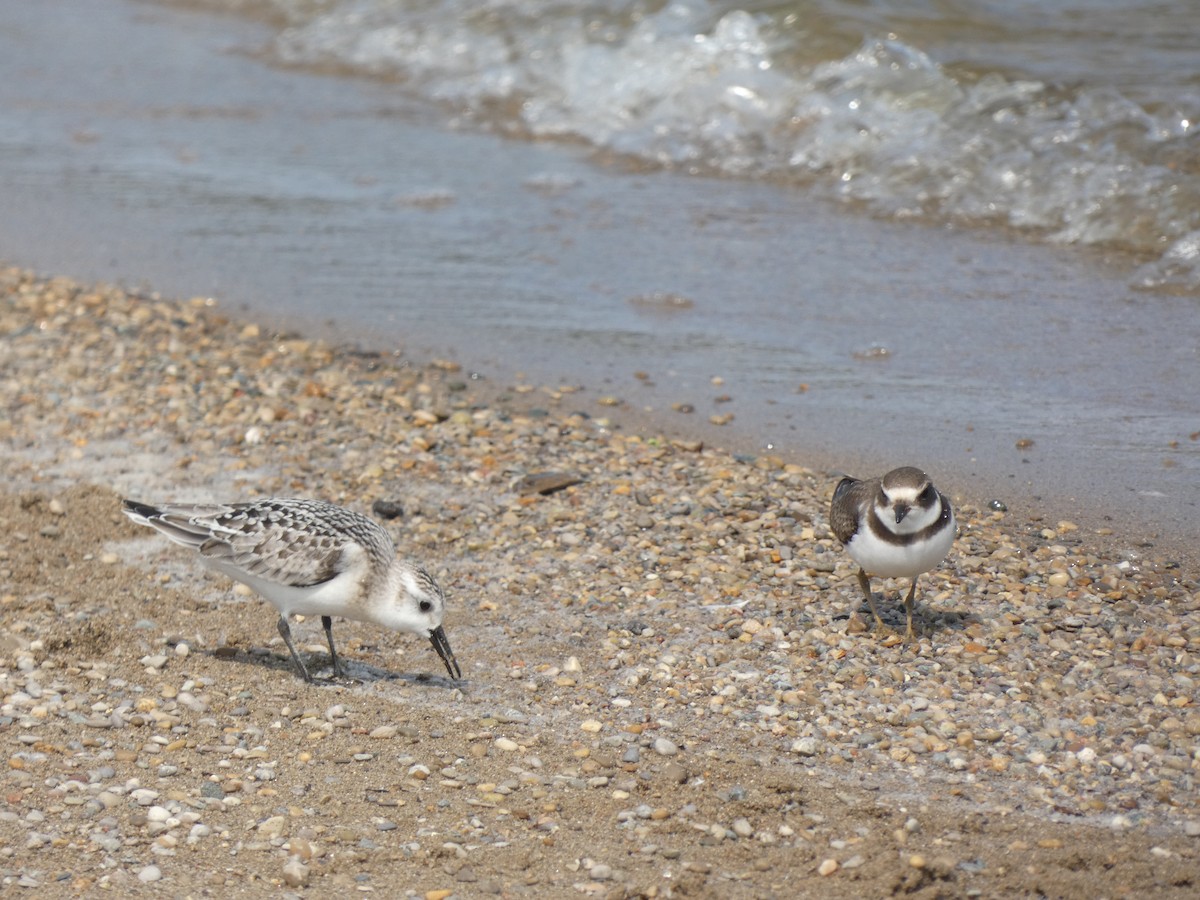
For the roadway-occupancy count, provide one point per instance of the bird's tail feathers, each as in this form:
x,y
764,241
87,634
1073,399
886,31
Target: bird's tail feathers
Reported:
x,y
174,523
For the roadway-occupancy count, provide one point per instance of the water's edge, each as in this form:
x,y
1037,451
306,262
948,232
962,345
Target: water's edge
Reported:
x,y
838,342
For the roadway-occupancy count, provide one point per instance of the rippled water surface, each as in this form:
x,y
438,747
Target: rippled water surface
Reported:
x,y
387,168
1072,121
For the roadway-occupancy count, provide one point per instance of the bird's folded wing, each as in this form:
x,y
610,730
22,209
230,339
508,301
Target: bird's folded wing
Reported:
x,y
848,497
281,554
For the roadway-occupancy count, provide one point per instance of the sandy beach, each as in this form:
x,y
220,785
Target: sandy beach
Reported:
x,y
672,686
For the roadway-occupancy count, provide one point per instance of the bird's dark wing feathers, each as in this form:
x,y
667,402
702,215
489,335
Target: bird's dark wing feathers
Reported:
x,y
848,498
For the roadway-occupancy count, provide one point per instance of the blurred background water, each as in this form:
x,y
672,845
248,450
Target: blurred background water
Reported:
x,y
896,232
1072,121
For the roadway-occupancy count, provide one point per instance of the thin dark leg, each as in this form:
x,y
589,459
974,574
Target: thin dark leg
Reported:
x,y
286,633
865,583
327,621
908,608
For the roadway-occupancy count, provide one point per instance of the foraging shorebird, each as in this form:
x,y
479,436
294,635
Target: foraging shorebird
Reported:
x,y
897,526
309,557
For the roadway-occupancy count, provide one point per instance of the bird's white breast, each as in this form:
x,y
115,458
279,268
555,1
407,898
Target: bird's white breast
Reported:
x,y
900,560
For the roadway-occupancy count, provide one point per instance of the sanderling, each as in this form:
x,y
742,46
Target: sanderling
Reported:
x,y
897,526
312,558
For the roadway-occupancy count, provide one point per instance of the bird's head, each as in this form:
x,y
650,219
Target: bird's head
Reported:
x,y
421,608
908,498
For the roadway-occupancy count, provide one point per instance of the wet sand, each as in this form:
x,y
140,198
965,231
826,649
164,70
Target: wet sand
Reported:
x,y
671,687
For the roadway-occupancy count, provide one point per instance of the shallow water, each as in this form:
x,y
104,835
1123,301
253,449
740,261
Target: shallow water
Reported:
x,y
184,162
1075,122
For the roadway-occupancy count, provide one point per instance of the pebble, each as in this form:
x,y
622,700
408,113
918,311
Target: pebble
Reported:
x,y
295,873
805,746
716,611
150,874
742,828
664,747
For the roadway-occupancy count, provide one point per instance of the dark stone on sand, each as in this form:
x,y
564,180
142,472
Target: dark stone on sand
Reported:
x,y
387,509
546,482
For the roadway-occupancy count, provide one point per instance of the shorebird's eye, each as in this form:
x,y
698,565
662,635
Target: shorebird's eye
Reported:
x,y
425,606
928,495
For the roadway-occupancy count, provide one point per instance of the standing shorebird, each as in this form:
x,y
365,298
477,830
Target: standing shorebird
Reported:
x,y
897,526
309,557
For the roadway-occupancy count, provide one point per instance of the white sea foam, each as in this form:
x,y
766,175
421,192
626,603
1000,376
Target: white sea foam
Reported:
x,y
717,89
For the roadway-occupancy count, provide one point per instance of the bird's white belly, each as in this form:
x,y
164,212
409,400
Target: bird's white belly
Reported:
x,y
888,560
337,597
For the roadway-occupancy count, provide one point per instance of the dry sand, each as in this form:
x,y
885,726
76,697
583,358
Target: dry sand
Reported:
x,y
671,688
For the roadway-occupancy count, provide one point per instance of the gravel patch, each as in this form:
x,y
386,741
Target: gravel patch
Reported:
x,y
673,686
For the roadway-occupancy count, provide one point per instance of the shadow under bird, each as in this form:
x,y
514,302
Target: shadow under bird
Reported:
x,y
897,526
311,558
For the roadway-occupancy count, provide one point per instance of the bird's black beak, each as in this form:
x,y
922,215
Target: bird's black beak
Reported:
x,y
901,511
437,637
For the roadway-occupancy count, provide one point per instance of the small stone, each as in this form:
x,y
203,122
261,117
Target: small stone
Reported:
x,y
300,849
212,790
664,747
384,732
295,873
827,867
387,509
272,827
545,483
150,874
507,745
675,773
144,796
805,746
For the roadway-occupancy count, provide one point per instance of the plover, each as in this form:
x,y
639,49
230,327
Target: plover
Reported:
x,y
309,557
897,526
